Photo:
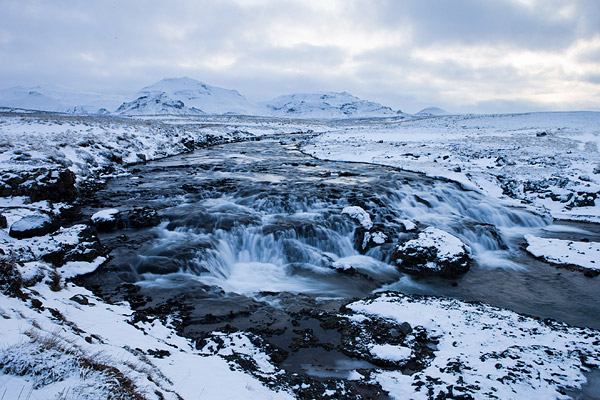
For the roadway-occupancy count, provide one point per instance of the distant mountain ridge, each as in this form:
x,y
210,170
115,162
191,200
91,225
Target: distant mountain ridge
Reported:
x,y
58,99
186,96
326,105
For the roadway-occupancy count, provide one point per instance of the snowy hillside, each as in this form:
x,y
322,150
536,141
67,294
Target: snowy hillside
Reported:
x,y
158,104
197,95
327,105
58,99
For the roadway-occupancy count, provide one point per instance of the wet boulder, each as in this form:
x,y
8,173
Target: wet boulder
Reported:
x,y
136,218
33,225
433,252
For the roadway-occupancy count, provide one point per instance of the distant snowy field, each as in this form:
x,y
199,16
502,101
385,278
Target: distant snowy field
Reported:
x,y
89,145
549,161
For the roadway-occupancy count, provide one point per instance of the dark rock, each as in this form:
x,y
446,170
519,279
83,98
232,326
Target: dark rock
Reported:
x,y
405,328
36,303
541,134
3,222
81,299
139,218
87,249
41,184
11,281
33,225
591,273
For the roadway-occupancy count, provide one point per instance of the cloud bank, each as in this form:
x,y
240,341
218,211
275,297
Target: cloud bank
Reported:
x,y
463,55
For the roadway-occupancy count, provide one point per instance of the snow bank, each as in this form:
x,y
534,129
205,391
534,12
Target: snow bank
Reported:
x,y
93,350
568,252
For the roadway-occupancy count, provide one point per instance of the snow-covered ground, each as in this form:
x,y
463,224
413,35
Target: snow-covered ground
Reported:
x,y
480,351
549,161
67,344
568,252
58,340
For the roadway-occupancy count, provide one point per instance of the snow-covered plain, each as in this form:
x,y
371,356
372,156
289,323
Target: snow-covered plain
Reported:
x,y
548,161
60,341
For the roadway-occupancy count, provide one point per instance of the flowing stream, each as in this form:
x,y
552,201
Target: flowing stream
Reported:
x,y
260,217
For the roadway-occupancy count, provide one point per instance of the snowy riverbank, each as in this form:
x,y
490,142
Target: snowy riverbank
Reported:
x,y
549,161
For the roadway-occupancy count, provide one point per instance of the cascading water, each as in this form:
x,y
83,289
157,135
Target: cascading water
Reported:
x,y
260,217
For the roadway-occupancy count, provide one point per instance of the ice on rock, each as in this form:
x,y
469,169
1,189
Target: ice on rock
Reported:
x,y
390,352
408,224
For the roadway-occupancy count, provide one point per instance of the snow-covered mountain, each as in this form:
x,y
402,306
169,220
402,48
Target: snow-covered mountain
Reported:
x,y
186,96
157,104
326,105
200,96
431,112
58,99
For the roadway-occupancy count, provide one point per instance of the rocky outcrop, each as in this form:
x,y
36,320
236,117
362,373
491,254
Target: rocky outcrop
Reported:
x,y
40,184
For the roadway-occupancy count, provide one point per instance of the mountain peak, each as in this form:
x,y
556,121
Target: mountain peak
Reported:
x,y
199,95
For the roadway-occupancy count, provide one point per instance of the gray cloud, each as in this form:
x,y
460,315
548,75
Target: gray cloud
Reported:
x,y
266,48
498,22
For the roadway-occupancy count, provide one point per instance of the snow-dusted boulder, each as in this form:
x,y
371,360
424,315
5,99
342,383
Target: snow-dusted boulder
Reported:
x,y
360,215
105,220
33,225
433,252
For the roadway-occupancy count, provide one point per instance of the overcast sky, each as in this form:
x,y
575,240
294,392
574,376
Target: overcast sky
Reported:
x,y
461,55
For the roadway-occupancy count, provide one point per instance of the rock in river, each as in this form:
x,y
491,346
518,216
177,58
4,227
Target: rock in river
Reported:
x,y
433,252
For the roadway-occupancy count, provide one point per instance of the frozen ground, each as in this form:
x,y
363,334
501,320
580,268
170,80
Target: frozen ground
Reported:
x,y
549,161
60,341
